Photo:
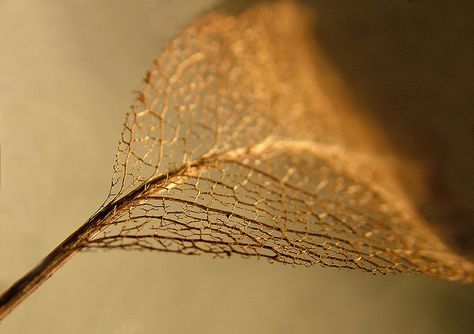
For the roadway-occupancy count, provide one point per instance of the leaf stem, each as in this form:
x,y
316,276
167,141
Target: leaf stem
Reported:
x,y
24,286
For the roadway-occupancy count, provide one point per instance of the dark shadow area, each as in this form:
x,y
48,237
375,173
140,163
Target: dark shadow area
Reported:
x,y
409,66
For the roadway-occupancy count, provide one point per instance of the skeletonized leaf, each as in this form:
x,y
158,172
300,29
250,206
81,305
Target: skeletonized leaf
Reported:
x,y
232,148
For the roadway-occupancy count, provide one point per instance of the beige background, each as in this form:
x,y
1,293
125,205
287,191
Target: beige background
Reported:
x,y
67,69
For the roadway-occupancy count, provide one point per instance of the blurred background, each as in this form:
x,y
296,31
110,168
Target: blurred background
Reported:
x,y
67,72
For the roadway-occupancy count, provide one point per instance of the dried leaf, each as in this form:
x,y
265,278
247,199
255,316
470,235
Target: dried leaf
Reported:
x,y
233,148
241,154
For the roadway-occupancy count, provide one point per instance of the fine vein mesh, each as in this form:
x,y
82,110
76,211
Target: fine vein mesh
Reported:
x,y
242,154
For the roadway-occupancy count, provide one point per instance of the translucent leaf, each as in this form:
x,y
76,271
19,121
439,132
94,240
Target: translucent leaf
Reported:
x,y
232,148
